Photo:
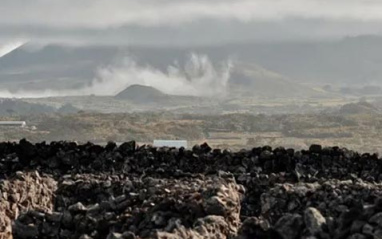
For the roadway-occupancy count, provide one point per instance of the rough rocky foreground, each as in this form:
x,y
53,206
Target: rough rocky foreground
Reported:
x,y
65,190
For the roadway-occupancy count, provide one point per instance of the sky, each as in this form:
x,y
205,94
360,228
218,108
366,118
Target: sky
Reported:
x,y
185,22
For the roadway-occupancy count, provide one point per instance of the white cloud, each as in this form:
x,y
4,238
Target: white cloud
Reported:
x,y
123,22
114,13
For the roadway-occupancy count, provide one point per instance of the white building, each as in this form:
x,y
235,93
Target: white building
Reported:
x,y
13,123
170,143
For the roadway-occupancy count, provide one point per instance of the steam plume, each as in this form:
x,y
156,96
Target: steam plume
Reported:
x,y
198,77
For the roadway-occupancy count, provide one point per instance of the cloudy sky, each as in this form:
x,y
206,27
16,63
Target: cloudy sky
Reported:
x,y
185,21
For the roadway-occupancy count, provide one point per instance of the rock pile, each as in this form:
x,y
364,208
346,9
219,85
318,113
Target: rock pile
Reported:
x,y
25,191
127,191
148,208
330,197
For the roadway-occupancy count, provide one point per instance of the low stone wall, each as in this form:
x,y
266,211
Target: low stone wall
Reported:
x,y
69,191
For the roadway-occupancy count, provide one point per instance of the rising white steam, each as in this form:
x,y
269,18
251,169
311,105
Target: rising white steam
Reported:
x,y
198,77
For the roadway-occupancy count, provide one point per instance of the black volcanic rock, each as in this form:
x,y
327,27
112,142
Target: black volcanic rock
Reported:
x,y
132,191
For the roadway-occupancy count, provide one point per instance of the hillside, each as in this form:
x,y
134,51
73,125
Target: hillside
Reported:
x,y
359,108
142,95
15,107
151,98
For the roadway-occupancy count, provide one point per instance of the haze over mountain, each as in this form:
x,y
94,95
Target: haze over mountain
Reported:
x,y
68,70
196,48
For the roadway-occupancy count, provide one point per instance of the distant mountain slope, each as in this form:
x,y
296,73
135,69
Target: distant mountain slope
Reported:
x,y
254,80
354,60
52,67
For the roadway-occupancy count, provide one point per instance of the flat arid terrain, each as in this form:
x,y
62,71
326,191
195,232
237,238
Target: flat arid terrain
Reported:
x,y
355,125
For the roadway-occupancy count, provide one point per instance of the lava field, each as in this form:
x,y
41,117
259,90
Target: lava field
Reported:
x,y
63,190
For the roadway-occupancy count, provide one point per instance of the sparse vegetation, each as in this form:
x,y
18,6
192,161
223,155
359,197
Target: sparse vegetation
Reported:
x,y
357,131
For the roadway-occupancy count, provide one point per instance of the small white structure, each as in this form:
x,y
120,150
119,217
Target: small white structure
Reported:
x,y
170,143
13,123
